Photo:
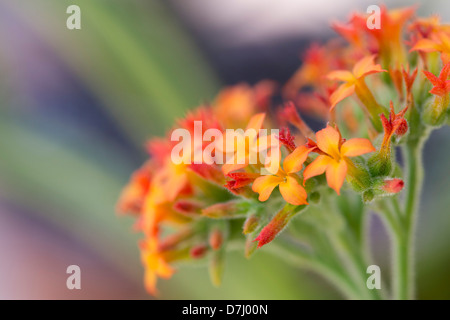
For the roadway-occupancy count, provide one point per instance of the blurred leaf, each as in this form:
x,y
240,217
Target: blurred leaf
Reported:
x,y
134,56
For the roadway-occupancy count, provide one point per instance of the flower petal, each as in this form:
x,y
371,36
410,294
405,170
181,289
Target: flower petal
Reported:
x,y
328,141
433,79
264,185
294,161
341,75
317,167
256,121
336,172
366,66
343,91
227,168
356,147
426,45
293,192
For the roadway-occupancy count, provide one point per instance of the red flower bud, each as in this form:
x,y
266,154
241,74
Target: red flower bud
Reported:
x,y
187,207
393,185
198,251
277,224
402,128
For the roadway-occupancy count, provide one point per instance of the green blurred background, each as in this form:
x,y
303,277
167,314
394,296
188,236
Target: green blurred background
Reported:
x,y
76,108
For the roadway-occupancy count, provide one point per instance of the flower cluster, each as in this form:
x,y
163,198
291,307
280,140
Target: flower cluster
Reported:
x,y
193,211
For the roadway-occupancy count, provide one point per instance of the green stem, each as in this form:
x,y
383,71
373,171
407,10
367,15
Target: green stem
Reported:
x,y
295,254
404,253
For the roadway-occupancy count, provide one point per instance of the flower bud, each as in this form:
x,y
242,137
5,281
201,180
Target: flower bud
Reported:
x,y
187,207
172,241
277,224
368,196
393,186
216,239
435,110
358,176
250,224
229,209
380,164
198,251
402,128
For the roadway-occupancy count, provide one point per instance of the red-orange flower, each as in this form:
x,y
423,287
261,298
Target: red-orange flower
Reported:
x,y
286,179
439,42
235,105
245,146
334,153
435,110
441,86
389,36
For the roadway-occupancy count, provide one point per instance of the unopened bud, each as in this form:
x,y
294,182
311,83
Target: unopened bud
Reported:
x,y
277,224
435,110
173,240
358,176
402,128
250,224
368,196
198,251
380,164
393,186
216,239
187,207
229,209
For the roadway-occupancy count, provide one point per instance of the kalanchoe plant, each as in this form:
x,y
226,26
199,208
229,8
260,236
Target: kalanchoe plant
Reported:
x,y
376,91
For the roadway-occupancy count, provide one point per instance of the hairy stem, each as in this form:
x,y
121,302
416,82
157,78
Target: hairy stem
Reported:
x,y
404,253
295,254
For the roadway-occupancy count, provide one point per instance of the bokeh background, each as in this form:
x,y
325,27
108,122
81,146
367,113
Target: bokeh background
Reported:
x,y
76,108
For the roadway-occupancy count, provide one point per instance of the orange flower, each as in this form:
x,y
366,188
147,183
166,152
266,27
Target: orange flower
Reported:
x,y
245,146
387,40
235,105
155,263
285,179
333,156
315,65
353,31
354,83
169,182
389,36
362,68
439,42
132,196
